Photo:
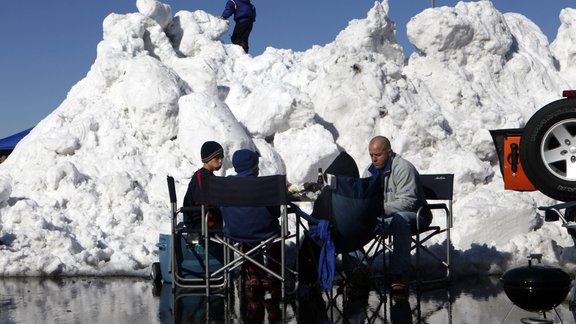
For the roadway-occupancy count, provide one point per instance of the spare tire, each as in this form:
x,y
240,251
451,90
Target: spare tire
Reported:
x,y
548,150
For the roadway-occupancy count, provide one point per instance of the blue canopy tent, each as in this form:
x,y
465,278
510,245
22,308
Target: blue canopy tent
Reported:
x,y
9,143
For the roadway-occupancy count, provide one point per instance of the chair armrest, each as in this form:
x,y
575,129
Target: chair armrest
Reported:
x,y
190,209
559,206
203,219
552,213
435,206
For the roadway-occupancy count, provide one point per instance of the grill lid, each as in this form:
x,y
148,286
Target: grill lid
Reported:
x,y
536,276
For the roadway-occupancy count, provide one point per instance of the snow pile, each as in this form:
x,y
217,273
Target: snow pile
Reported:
x,y
85,191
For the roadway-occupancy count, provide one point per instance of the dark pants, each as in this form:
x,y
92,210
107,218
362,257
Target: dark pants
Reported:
x,y
308,256
274,252
241,33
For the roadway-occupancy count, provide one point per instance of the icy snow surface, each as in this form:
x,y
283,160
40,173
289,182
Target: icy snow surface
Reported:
x,y
85,192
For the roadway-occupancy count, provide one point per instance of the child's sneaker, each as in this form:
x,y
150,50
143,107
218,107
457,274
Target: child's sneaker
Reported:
x,y
399,284
273,286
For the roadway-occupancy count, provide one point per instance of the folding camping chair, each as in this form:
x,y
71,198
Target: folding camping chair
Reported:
x,y
186,255
347,212
568,218
250,192
438,189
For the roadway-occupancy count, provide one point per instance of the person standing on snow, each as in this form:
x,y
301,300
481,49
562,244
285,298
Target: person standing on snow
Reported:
x,y
244,17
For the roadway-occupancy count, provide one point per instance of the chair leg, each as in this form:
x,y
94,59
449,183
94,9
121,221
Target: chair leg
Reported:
x,y
418,246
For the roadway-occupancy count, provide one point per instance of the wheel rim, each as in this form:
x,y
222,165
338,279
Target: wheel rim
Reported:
x,y
558,150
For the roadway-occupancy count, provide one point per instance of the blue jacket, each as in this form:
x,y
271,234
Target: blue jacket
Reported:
x,y
251,224
242,10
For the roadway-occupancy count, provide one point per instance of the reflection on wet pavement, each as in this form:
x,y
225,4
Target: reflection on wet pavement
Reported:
x,y
77,300
136,300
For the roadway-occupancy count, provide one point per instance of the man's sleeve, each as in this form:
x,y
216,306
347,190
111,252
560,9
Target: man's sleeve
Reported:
x,y
228,10
406,195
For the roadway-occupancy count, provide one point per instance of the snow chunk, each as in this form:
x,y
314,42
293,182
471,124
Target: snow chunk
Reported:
x,y
202,118
564,46
5,188
191,32
468,31
306,150
156,10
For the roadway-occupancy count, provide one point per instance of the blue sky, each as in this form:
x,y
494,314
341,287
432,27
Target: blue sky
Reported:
x,y
48,46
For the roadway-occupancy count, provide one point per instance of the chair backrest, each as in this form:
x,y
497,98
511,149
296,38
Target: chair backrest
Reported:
x,y
356,206
438,186
245,191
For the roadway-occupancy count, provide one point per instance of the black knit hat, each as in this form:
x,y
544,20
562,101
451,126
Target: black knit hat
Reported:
x,y
210,150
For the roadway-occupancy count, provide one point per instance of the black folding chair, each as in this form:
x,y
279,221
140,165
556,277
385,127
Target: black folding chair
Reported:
x,y
190,256
250,192
438,189
439,192
351,207
568,217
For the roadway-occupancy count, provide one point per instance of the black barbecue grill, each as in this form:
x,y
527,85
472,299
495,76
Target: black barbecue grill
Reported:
x,y
536,288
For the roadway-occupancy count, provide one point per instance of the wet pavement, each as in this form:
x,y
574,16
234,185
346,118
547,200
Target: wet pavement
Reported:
x,y
113,300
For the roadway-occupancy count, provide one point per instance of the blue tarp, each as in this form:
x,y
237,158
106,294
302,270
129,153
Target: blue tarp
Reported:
x,y
9,143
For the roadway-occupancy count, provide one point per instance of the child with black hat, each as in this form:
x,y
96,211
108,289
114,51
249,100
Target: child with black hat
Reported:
x,y
212,155
251,225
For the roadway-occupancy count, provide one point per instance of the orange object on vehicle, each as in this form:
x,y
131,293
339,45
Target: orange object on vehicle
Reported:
x,y
513,173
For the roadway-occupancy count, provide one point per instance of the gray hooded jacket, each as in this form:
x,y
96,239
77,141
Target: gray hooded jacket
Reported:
x,y
402,187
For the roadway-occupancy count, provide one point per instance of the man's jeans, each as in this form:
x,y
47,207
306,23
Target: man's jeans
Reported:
x,y
401,226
